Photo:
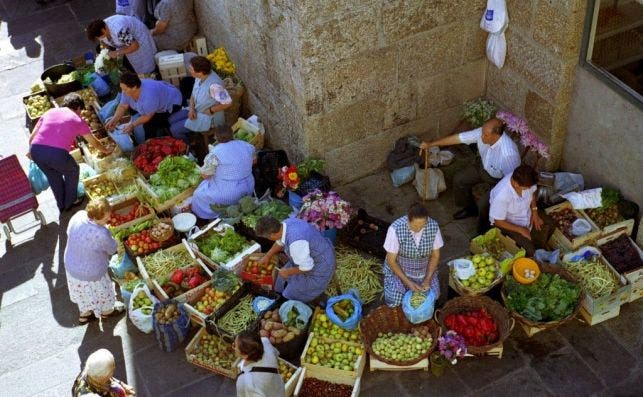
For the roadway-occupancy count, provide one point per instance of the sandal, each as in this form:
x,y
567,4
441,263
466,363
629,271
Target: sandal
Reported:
x,y
119,307
86,318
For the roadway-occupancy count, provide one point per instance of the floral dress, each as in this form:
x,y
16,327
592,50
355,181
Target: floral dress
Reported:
x,y
82,386
125,30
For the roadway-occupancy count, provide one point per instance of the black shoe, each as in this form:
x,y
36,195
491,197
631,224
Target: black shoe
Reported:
x,y
465,213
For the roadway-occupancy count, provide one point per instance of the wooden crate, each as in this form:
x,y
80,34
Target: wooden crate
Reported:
x,y
101,164
267,281
196,316
599,317
90,90
100,178
153,283
292,382
77,155
31,120
124,207
559,239
342,380
198,45
635,276
333,373
627,225
377,365
235,264
600,305
191,358
529,330
156,202
187,295
457,286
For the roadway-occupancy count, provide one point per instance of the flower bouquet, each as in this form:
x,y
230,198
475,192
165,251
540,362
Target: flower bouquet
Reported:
x,y
325,210
289,177
451,346
528,138
221,63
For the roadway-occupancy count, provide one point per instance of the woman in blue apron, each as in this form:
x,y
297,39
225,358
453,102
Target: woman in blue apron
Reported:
x,y
259,367
412,247
208,101
312,257
228,172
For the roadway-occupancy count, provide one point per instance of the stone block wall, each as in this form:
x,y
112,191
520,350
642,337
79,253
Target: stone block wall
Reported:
x,y
536,82
342,80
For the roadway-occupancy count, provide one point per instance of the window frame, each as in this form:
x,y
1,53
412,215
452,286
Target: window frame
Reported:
x,y
603,75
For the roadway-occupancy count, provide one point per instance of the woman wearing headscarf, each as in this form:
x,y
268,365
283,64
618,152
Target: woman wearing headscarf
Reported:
x,y
89,248
412,247
126,36
97,377
227,170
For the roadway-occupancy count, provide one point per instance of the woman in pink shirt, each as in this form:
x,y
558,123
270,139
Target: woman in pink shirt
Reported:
x,y
50,142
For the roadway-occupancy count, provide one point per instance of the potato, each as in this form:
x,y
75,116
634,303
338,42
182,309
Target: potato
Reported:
x,y
289,336
268,325
272,340
264,334
275,316
277,326
280,333
267,315
278,341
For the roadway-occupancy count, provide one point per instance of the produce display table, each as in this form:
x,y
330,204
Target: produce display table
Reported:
x,y
377,365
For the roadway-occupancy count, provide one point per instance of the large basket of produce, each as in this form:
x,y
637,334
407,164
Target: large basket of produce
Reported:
x,y
391,338
237,313
333,357
366,233
553,299
502,248
483,323
353,270
212,353
487,275
61,79
35,106
287,335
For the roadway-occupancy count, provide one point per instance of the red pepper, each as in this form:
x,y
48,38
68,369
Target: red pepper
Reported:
x,y
177,276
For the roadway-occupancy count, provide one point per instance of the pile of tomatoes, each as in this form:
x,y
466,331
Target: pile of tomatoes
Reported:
x,y
141,243
136,211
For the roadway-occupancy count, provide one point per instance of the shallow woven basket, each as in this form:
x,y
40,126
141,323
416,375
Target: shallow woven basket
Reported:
x,y
546,268
167,235
392,319
504,321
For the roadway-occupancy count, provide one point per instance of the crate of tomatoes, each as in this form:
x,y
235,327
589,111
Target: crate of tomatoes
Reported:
x,y
128,213
258,273
145,241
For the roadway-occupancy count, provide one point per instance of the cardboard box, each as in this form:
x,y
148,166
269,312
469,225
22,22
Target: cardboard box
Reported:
x,y
342,380
599,317
635,276
172,68
559,239
198,45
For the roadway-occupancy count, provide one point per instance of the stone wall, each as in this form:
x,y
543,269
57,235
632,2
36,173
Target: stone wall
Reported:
x,y
604,138
343,80
536,82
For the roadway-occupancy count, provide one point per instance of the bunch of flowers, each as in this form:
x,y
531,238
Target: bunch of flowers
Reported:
x,y
528,138
289,177
478,111
221,62
452,346
325,210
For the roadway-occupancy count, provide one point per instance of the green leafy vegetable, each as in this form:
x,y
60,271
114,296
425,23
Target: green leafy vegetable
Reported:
x,y
175,174
550,298
225,281
221,247
275,208
610,197
305,168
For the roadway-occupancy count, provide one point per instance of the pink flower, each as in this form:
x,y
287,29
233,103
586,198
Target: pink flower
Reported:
x,y
528,138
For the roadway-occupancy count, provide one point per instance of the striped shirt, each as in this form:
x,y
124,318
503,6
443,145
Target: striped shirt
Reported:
x,y
499,159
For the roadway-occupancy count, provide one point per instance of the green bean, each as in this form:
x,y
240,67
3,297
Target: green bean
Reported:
x,y
239,317
417,299
161,263
594,276
355,271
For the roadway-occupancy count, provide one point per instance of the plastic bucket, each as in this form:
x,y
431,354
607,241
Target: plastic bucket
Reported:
x,y
99,85
54,73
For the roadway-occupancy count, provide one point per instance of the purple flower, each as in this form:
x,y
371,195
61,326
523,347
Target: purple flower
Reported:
x,y
325,210
528,138
452,346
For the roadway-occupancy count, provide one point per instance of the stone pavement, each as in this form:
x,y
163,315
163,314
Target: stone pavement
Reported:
x,y
42,348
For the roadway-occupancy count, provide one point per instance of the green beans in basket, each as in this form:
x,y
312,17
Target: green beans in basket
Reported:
x,y
239,317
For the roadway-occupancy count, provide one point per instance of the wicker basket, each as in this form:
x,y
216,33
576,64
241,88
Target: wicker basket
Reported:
x,y
546,268
168,234
504,321
392,319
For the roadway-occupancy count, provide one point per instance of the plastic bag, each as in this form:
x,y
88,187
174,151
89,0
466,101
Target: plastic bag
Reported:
x,y
565,182
122,139
495,21
99,85
402,175
581,227
144,322
353,320
169,336
547,256
125,265
436,182
421,313
586,199
37,178
497,49
303,312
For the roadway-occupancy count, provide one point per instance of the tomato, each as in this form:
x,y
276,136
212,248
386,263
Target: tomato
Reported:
x,y
134,248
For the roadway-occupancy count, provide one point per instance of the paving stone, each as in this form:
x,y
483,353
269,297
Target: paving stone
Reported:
x,y
630,387
206,385
629,318
538,346
564,372
601,352
417,383
477,372
524,382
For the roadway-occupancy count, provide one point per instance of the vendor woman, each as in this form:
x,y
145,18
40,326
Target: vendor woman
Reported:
x,y
227,170
412,247
125,36
157,103
312,257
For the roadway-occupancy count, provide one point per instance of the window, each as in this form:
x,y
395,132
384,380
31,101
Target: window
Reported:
x,y
613,45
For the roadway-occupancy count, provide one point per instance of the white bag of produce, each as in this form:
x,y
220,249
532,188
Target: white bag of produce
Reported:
x,y
495,21
140,308
436,182
586,199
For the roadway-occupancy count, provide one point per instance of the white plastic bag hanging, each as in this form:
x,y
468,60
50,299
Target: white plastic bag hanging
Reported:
x,y
142,317
495,21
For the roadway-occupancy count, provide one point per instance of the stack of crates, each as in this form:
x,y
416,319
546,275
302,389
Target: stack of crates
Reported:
x,y
172,68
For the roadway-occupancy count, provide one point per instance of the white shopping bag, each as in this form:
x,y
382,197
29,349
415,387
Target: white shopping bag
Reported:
x,y
436,182
495,21
139,317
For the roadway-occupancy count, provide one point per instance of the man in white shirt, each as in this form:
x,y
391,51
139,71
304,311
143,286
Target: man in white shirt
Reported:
x,y
513,209
499,156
